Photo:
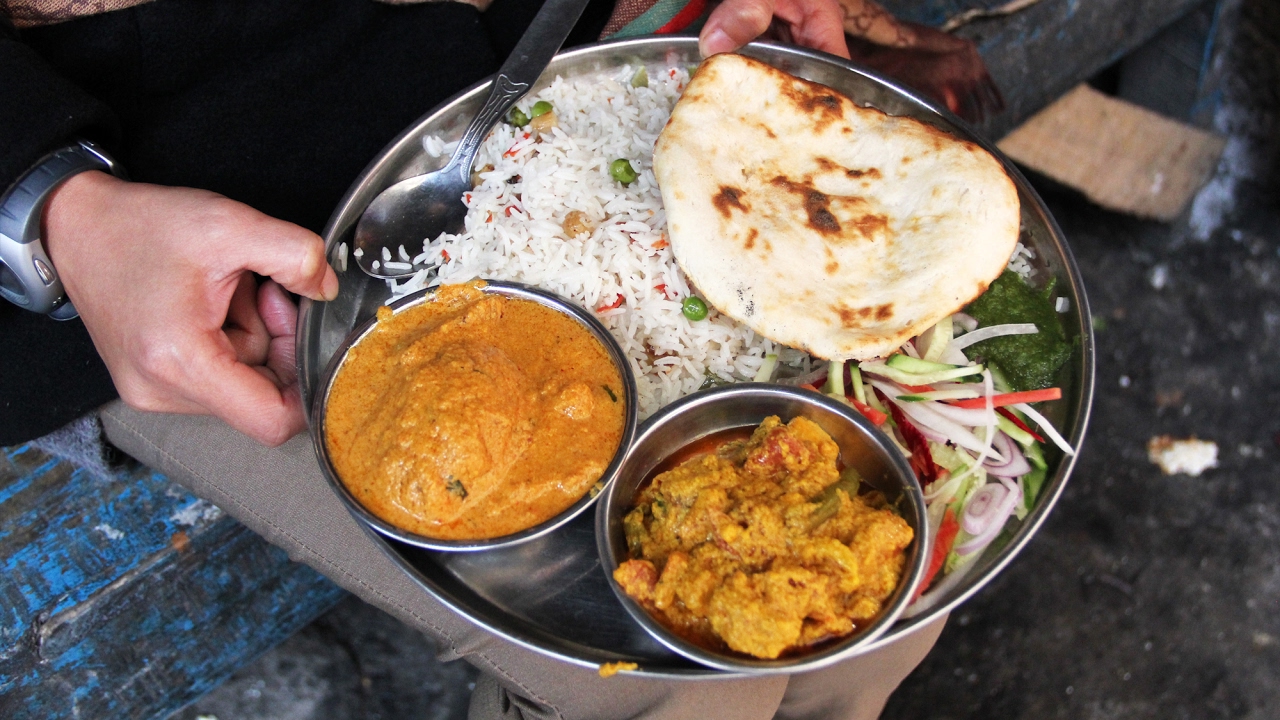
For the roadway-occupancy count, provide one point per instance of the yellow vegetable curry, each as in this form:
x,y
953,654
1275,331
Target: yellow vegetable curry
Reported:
x,y
763,545
473,415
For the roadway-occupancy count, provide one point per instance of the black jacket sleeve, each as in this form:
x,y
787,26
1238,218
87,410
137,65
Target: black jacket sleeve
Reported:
x,y
41,111
278,104
49,370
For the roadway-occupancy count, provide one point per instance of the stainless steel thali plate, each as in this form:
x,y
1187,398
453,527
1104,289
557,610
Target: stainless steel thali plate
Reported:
x,y
550,594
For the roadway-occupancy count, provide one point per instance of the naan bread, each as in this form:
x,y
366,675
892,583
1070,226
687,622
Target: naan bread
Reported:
x,y
822,225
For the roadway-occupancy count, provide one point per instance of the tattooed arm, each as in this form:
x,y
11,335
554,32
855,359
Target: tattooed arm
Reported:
x,y
867,20
938,64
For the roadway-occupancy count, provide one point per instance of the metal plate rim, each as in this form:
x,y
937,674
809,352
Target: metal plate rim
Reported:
x,y
1078,407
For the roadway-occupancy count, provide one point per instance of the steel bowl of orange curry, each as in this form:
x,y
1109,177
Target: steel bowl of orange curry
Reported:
x,y
474,416
762,528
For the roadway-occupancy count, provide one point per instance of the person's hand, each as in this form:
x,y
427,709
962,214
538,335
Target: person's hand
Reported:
x,y
164,281
818,24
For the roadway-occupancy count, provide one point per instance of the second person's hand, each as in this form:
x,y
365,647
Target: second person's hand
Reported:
x,y
818,24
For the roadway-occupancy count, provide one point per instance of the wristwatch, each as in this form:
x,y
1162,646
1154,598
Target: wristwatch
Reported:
x,y
27,276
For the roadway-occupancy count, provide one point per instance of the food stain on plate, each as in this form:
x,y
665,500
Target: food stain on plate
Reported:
x,y
473,415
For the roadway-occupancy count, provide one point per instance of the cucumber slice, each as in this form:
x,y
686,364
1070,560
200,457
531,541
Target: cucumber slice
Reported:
x,y
906,363
906,378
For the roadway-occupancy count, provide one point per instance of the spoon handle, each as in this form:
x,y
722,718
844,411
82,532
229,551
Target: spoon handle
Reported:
x,y
540,42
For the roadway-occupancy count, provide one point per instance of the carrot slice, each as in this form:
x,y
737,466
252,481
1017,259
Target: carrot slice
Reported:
x,y
1013,398
941,546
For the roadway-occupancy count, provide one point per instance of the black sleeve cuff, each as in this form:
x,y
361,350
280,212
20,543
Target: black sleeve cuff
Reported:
x,y
41,111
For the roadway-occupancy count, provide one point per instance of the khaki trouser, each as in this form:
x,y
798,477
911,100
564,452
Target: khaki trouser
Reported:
x,y
281,494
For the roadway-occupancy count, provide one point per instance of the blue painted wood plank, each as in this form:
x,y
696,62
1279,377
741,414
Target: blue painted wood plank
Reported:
x,y
130,598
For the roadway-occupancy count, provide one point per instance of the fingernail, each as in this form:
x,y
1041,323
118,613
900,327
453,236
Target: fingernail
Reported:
x,y
329,289
716,41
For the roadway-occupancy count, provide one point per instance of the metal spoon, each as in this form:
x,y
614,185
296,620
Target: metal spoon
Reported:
x,y
419,209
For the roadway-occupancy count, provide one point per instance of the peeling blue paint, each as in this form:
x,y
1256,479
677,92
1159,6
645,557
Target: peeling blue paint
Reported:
x,y
140,623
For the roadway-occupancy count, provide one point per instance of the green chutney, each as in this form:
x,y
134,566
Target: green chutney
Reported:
x,y
1028,362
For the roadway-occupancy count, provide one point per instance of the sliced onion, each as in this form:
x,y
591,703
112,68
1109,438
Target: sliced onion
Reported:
x,y
909,348
1047,426
953,355
922,415
955,386
998,516
1015,466
960,394
931,434
990,428
982,507
965,321
993,331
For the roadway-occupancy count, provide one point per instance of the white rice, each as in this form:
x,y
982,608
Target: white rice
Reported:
x,y
514,232
1020,261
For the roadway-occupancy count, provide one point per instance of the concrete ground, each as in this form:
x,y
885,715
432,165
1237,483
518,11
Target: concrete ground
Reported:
x,y
1145,595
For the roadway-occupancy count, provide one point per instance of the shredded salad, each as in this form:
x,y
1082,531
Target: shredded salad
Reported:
x,y
973,442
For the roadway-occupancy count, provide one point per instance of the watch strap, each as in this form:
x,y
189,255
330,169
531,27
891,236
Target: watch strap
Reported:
x,y
27,275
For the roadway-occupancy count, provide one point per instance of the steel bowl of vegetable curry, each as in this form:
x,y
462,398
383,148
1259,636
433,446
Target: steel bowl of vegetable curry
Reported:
x,y
763,528
474,416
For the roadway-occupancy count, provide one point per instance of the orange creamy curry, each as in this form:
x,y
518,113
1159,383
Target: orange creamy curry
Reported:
x,y
473,416
763,545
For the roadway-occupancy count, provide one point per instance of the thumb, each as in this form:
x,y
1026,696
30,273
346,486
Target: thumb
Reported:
x,y
734,24
292,256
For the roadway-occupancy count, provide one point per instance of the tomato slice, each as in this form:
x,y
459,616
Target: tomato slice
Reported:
x,y
615,304
875,416
941,546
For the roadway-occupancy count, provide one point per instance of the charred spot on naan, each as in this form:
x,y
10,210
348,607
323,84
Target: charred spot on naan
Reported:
x,y
829,166
821,210
854,318
766,130
817,102
727,199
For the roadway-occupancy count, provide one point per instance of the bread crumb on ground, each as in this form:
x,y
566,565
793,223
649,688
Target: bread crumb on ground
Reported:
x,y
1189,457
